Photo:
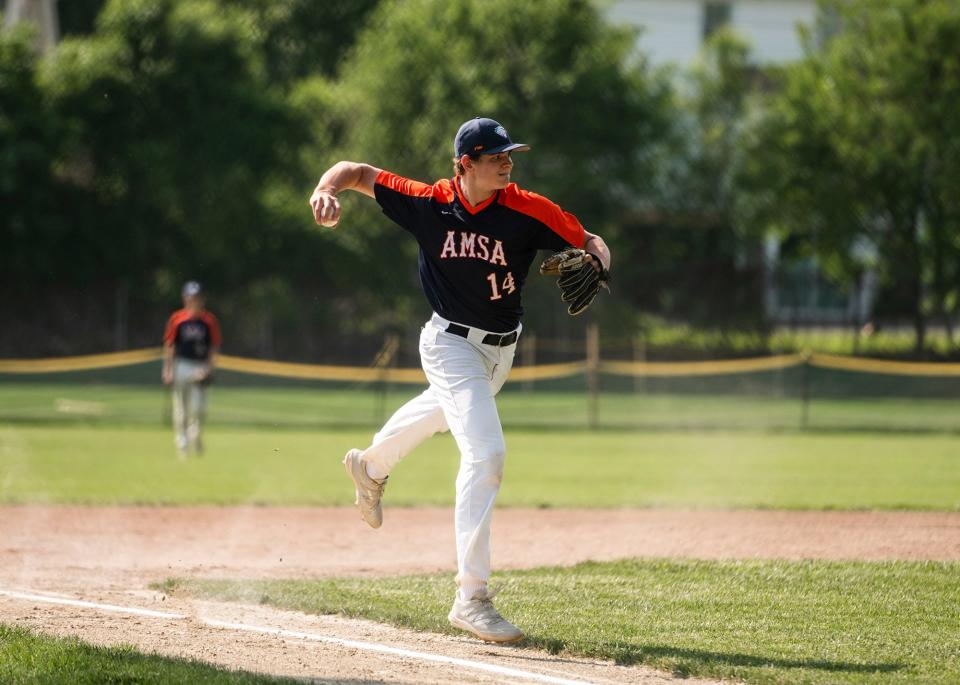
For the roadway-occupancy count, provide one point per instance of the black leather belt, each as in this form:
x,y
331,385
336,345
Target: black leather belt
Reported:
x,y
488,339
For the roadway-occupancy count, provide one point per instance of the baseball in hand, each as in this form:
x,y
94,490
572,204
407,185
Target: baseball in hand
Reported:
x,y
326,208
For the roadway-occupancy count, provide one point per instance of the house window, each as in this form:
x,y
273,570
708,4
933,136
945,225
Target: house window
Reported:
x,y
715,15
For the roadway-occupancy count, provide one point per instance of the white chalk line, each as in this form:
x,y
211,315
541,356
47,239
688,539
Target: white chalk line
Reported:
x,y
281,632
91,605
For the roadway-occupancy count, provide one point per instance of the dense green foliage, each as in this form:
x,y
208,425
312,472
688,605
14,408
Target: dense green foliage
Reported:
x,y
748,621
172,139
856,158
29,143
185,138
699,265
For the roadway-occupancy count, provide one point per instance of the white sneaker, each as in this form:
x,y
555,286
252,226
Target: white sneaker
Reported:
x,y
478,616
369,491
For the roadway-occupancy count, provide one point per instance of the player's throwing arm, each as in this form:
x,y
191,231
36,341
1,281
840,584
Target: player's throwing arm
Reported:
x,y
341,176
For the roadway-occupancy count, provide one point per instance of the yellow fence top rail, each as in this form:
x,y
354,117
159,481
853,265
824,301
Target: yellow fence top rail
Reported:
x,y
861,365
383,375
319,371
539,372
706,368
86,362
543,372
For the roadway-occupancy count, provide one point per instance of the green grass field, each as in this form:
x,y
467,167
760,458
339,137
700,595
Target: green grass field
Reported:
x,y
771,404
741,469
27,657
756,621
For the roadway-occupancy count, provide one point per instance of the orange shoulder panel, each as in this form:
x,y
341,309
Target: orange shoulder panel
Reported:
x,y
170,332
214,326
441,190
564,224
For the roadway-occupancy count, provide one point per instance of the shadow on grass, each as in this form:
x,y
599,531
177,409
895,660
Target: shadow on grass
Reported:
x,y
683,661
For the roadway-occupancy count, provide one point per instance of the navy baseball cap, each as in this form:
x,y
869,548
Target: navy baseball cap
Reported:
x,y
482,136
191,289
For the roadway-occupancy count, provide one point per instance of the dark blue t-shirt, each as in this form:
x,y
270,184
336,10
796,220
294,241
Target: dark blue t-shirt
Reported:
x,y
194,335
474,259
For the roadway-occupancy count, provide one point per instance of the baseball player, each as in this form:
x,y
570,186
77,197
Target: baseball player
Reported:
x,y
191,342
478,235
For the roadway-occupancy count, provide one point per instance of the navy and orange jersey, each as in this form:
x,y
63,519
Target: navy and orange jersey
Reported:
x,y
193,336
474,259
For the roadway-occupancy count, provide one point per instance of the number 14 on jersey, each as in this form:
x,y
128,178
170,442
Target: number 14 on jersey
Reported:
x,y
508,286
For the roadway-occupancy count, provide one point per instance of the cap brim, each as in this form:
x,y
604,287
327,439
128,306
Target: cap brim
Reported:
x,y
510,147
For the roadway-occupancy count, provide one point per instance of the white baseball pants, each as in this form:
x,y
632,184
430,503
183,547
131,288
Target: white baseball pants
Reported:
x,y
465,375
189,402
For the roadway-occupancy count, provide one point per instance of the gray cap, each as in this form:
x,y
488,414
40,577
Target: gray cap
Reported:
x,y
191,289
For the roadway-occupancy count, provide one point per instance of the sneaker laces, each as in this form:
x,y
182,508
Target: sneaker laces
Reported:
x,y
481,609
372,490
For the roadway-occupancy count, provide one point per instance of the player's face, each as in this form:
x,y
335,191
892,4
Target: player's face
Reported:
x,y
193,302
493,171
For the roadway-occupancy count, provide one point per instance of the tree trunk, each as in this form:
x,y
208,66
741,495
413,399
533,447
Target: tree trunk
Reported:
x,y
937,220
915,281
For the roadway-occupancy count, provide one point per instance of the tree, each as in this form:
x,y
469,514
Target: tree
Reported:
x,y
29,141
699,262
303,38
860,148
78,17
170,126
165,141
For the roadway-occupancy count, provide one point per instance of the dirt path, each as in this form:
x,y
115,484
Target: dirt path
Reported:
x,y
111,554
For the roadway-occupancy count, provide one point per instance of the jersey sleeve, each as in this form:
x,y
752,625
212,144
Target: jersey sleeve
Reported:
x,y
402,200
214,324
558,228
170,330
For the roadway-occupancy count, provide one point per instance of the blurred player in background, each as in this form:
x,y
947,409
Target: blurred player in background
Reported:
x,y
191,342
478,235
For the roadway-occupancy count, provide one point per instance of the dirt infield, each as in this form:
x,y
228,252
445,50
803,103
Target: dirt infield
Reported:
x,y
111,554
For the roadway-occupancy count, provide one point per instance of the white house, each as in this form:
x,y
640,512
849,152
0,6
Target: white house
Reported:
x,y
43,13
674,30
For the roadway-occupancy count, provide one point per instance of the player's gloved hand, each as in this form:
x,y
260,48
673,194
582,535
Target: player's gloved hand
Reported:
x,y
580,279
202,376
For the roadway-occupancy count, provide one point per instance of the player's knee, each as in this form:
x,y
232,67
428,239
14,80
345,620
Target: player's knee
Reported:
x,y
488,460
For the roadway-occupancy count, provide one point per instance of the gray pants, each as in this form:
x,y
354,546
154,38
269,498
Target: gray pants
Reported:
x,y
189,403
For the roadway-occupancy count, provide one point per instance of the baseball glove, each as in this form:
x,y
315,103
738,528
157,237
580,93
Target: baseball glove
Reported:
x,y
578,281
